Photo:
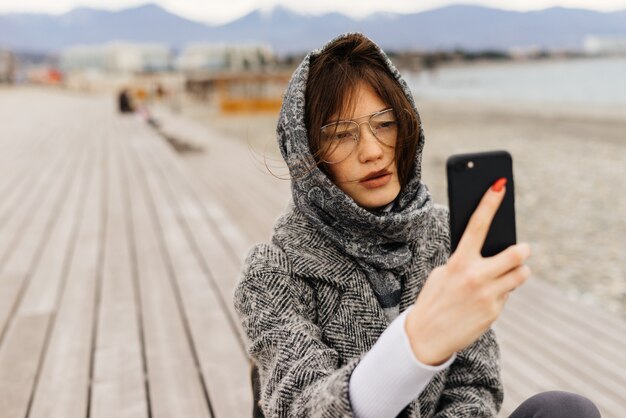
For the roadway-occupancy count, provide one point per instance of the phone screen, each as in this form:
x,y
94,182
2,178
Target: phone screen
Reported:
x,y
469,177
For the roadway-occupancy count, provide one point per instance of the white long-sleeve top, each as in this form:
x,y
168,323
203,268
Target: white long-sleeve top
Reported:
x,y
389,376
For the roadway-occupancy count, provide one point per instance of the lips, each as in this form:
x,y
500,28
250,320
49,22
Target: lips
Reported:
x,y
376,179
374,175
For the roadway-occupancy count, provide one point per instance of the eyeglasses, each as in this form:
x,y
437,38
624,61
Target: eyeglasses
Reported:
x,y
339,139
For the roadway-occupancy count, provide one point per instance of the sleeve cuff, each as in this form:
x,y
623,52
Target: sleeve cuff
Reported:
x,y
411,354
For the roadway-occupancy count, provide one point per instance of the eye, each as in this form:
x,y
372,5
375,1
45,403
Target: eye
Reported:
x,y
338,136
386,125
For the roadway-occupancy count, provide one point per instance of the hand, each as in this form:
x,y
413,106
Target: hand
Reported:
x,y
461,299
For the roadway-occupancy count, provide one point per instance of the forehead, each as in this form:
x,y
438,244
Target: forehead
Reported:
x,y
362,100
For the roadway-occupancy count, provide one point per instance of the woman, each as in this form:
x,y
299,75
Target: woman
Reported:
x,y
355,307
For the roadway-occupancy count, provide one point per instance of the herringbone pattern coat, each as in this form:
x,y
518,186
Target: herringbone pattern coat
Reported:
x,y
310,314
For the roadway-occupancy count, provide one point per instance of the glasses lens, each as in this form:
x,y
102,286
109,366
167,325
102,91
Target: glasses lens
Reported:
x,y
338,141
385,127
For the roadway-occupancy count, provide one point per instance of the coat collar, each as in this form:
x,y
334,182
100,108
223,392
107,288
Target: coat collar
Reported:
x,y
314,257
311,254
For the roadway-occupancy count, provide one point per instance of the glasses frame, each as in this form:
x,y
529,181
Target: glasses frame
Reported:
x,y
358,131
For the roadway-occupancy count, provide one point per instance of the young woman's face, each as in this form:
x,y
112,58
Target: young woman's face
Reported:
x,y
371,157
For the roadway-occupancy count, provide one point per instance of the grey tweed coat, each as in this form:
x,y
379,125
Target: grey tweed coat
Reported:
x,y
310,315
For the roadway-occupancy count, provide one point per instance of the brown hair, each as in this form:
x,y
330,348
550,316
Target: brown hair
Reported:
x,y
333,78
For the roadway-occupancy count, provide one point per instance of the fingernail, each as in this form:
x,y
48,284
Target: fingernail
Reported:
x,y
499,184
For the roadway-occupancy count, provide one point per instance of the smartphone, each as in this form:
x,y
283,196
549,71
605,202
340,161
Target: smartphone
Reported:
x,y
469,177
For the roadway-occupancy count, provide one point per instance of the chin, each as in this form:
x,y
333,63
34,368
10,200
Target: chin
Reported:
x,y
378,200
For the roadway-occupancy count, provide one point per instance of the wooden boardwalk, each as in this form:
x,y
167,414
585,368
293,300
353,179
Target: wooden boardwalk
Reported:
x,y
118,258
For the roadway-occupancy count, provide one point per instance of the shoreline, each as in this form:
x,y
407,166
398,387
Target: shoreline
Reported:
x,y
485,63
540,110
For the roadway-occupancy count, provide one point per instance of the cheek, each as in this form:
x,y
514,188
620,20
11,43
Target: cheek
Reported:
x,y
336,172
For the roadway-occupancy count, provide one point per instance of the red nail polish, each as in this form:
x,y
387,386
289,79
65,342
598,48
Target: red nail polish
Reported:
x,y
499,184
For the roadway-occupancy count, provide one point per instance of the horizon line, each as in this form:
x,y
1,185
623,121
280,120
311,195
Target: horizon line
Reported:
x,y
269,9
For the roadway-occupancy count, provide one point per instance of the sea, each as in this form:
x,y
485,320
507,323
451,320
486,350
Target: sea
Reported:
x,y
582,81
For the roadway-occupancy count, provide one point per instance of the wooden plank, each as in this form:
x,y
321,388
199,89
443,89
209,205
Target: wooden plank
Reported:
x,y
222,265
525,363
42,294
215,335
17,166
20,242
62,387
512,397
17,369
596,324
572,349
541,365
594,342
119,386
30,326
27,199
16,137
249,194
14,191
249,216
269,194
174,382
65,374
518,383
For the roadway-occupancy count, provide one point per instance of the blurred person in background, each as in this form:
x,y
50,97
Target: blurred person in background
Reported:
x,y
124,101
356,308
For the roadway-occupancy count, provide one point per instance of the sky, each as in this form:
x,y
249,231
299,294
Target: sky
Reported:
x,y
220,11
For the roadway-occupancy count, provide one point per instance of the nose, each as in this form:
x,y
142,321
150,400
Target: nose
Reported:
x,y
369,147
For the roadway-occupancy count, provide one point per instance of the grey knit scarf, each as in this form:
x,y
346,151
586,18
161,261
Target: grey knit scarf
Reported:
x,y
378,242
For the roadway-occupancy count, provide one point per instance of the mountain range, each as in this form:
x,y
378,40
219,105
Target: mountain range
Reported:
x,y
287,31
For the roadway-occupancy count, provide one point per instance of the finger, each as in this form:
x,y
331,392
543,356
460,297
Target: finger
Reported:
x,y
506,260
502,299
473,237
511,280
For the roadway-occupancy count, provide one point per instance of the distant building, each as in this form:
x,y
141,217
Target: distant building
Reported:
x,y
7,66
595,45
523,52
224,57
117,57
